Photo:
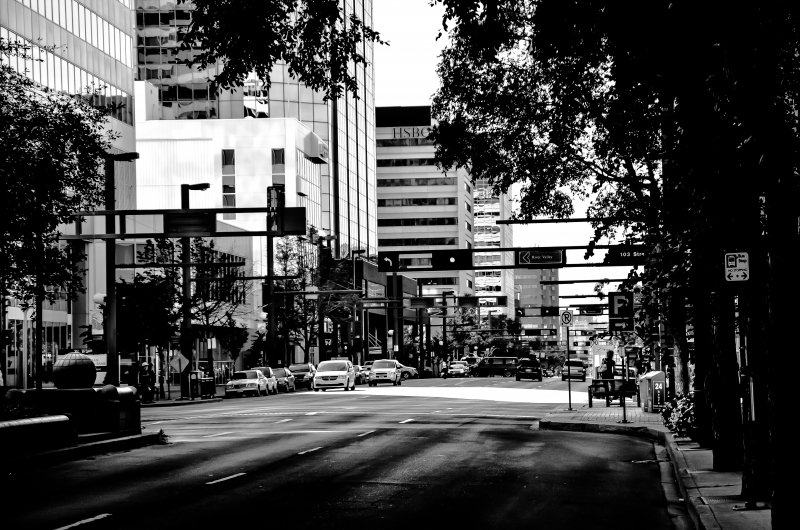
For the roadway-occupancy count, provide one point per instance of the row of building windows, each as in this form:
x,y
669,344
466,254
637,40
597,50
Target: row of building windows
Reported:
x,y
488,274
422,201
87,25
487,229
420,221
417,241
415,262
402,142
439,281
396,162
435,181
57,74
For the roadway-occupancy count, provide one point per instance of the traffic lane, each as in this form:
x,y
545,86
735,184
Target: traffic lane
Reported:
x,y
475,476
114,483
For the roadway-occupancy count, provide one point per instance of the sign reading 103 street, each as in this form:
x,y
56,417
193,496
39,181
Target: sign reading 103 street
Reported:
x,y
737,267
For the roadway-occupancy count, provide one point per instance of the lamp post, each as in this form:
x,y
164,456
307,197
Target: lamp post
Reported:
x,y
321,321
356,332
186,309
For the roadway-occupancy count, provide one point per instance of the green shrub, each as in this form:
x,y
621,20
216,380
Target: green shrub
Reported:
x,y
678,414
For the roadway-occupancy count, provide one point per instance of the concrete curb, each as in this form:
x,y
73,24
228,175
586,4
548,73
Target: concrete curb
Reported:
x,y
76,452
159,404
645,431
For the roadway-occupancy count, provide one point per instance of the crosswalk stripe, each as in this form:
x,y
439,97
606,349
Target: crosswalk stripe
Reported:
x,y
224,479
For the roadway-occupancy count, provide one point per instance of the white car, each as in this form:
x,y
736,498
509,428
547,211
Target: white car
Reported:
x,y
385,371
247,382
335,374
457,369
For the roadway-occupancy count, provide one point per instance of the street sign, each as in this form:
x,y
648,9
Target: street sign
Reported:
x,y
620,311
737,267
328,342
177,223
539,258
566,318
388,261
626,255
179,362
447,260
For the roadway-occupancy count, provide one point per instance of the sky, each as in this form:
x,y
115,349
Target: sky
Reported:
x,y
405,75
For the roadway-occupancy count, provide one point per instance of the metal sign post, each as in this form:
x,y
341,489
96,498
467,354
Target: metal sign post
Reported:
x,y
566,321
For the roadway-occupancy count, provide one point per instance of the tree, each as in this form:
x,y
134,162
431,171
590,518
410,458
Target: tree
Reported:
x,y
611,101
317,40
52,148
233,336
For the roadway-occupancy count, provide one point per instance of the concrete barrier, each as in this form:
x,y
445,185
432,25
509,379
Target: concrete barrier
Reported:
x,y
30,434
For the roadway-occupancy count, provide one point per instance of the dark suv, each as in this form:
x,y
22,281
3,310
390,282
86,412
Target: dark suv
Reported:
x,y
529,369
303,374
505,366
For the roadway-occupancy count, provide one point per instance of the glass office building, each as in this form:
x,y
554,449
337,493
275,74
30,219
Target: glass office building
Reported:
x,y
347,182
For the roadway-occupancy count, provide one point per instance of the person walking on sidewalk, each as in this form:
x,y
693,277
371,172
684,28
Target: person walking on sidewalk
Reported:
x,y
608,373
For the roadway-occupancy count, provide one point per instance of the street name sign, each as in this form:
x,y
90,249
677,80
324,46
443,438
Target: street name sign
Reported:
x,y
626,255
566,318
737,267
539,258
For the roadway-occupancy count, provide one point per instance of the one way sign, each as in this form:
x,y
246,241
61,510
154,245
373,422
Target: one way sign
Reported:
x,y
737,267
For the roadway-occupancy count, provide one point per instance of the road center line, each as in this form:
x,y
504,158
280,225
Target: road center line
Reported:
x,y
283,420
101,516
309,451
311,413
218,434
226,478
406,421
364,434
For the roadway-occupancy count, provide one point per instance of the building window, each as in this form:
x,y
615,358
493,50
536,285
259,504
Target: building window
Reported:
x,y
417,241
228,182
419,221
468,226
467,205
466,187
426,201
396,162
469,284
433,181
453,280
469,245
278,167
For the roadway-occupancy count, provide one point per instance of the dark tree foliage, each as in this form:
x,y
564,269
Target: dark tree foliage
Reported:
x,y
317,39
680,122
52,148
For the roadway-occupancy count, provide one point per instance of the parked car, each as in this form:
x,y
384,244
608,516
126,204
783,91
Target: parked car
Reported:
x,y
574,369
335,374
529,369
385,371
472,362
549,372
457,369
407,372
303,374
491,366
272,381
246,382
361,374
286,380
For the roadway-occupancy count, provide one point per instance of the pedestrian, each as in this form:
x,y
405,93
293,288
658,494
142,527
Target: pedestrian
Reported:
x,y
608,373
146,383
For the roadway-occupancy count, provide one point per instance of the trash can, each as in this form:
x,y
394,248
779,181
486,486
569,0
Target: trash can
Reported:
x,y
194,384
207,387
653,386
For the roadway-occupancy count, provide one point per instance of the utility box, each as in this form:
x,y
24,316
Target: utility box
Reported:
x,y
653,386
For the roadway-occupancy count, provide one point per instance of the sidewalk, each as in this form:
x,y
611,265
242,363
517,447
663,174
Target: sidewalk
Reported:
x,y
709,496
175,392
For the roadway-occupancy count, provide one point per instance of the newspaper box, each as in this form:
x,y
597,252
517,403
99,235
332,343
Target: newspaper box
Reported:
x,y
652,386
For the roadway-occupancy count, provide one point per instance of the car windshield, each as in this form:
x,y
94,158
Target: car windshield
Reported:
x,y
299,368
245,375
383,364
332,366
279,372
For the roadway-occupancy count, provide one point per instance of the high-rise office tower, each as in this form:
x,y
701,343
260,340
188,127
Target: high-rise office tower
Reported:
x,y
75,44
340,200
421,209
489,208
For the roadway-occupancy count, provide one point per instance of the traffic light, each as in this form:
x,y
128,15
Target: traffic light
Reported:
x,y
275,203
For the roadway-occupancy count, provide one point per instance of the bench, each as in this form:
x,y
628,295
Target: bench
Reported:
x,y
610,389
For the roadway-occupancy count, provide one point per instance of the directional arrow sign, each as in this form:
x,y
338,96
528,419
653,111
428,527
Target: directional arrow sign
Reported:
x,y
388,261
737,266
538,258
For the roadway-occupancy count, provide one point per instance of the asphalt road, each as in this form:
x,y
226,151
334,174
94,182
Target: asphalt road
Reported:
x,y
352,460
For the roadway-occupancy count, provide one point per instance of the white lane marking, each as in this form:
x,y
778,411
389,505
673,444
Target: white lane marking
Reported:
x,y
283,420
309,451
406,421
226,478
218,434
311,413
364,434
101,516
